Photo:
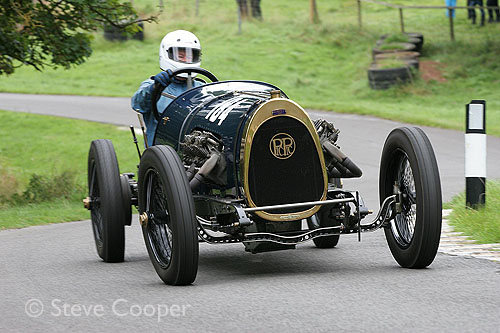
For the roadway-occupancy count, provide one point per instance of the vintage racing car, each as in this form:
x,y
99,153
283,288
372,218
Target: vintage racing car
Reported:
x,y
238,161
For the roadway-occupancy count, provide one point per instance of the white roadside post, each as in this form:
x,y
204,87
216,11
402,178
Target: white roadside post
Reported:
x,y
475,153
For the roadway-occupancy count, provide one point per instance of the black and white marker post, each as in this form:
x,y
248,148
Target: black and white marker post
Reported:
x,y
475,153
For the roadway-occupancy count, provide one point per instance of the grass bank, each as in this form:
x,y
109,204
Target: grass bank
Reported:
x,y
320,66
35,151
483,224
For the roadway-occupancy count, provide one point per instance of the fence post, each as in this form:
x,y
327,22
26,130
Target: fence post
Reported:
x,y
197,7
450,16
239,20
359,15
401,20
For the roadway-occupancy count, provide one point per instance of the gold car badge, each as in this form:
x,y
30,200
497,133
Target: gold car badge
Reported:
x,y
282,146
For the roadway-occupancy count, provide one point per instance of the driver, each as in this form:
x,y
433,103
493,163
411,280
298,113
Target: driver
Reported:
x,y
178,49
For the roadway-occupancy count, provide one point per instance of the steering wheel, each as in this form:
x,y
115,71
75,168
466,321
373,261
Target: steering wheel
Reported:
x,y
172,74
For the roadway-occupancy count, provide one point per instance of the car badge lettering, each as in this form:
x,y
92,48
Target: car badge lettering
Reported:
x,y
278,112
282,146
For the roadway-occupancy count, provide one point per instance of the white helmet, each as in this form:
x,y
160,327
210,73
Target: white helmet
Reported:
x,y
180,49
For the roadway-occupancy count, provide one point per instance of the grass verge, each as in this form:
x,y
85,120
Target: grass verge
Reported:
x,y
483,224
48,147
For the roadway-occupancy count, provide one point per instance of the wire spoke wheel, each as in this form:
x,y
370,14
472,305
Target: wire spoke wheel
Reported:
x,y
409,169
170,229
159,232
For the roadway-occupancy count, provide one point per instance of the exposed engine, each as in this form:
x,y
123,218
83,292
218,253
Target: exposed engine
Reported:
x,y
337,163
202,152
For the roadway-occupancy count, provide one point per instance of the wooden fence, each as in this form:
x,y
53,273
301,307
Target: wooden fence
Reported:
x,y
402,7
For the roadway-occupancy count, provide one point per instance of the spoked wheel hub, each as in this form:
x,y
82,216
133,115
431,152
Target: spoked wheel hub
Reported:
x,y
403,224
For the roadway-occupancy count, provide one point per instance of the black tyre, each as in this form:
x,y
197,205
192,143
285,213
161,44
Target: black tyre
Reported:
x,y
320,220
420,40
126,199
170,232
397,55
381,85
408,160
113,33
106,204
416,35
139,35
398,47
401,73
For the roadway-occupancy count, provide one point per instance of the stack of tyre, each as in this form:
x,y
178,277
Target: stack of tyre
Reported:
x,y
113,33
395,59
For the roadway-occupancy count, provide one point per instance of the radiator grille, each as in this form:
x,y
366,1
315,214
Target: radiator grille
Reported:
x,y
284,165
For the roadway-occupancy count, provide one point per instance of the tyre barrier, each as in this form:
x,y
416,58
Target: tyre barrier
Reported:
x,y
402,47
412,62
384,78
397,65
397,55
417,35
113,33
415,38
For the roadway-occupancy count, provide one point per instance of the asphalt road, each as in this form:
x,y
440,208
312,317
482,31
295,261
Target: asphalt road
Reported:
x,y
355,287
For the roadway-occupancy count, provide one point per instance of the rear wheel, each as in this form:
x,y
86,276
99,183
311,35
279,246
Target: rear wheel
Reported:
x,y
409,168
170,230
106,205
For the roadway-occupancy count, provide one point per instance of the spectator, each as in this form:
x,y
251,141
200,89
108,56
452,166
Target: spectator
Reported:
x,y
256,11
450,3
255,7
493,3
472,11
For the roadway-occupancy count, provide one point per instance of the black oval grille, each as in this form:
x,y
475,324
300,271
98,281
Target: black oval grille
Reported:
x,y
284,165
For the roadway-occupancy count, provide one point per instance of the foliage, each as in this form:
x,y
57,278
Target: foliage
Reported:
x,y
56,33
47,188
482,224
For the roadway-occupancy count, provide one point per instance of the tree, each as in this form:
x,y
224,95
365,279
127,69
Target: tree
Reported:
x,y
57,32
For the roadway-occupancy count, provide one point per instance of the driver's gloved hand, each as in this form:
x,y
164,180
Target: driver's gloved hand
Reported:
x,y
162,78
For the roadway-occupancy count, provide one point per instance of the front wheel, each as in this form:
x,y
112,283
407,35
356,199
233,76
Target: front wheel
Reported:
x,y
409,169
323,219
168,217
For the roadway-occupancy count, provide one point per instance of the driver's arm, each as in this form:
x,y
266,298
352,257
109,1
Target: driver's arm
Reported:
x,y
141,101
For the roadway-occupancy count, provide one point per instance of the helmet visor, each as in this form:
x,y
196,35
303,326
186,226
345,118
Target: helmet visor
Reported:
x,y
185,55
